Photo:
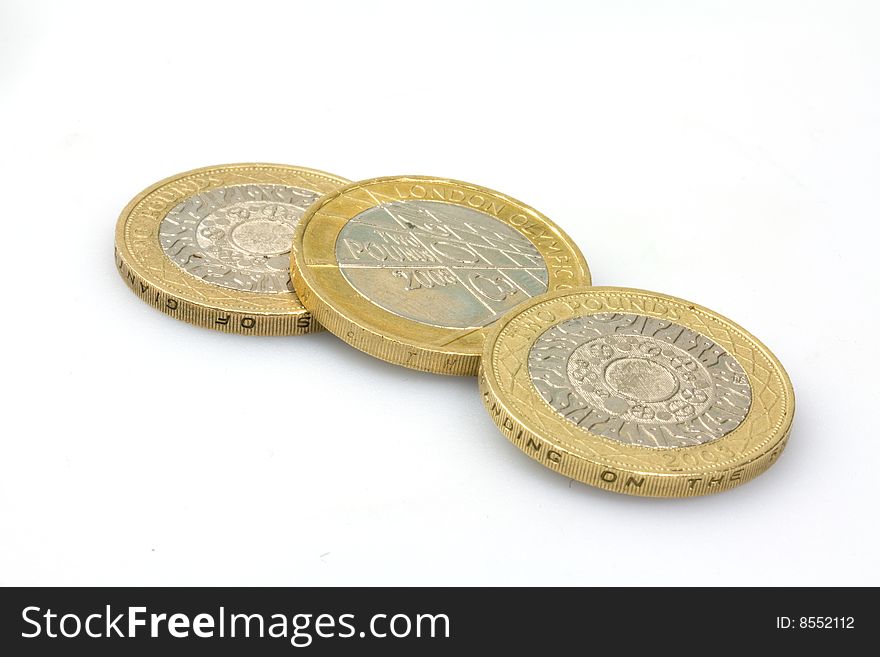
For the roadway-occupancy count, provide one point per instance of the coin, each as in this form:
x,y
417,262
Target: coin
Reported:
x,y
636,392
414,270
212,246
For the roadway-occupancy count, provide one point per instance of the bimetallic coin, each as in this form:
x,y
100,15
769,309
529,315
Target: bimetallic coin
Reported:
x,y
212,246
636,392
414,270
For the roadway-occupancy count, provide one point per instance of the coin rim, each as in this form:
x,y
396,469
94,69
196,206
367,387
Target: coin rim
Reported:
x,y
160,282
515,409
352,317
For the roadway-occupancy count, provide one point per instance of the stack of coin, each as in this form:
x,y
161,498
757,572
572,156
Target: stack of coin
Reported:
x,y
631,391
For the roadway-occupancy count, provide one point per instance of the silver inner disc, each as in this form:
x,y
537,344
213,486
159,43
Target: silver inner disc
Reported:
x,y
238,236
640,380
438,263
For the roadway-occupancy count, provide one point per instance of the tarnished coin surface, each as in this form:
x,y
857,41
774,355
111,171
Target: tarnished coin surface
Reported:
x,y
636,392
414,270
212,246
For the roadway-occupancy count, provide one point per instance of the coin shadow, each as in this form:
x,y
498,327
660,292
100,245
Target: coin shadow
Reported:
x,y
533,473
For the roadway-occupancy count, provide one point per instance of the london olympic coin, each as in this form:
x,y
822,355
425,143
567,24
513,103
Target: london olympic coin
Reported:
x,y
636,392
414,270
212,246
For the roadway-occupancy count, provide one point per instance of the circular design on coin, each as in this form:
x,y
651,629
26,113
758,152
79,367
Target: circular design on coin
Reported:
x,y
457,267
669,386
212,246
636,392
237,236
638,379
414,270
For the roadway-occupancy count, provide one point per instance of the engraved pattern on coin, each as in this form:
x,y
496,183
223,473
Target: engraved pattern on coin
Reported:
x,y
237,236
640,380
439,263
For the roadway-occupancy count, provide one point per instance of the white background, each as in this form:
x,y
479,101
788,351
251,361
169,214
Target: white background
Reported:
x,y
727,153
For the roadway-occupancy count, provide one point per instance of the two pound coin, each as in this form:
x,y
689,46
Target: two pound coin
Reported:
x,y
415,270
636,392
212,246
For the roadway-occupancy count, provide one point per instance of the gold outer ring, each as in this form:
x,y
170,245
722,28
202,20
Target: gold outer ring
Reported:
x,y
346,313
157,280
541,432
